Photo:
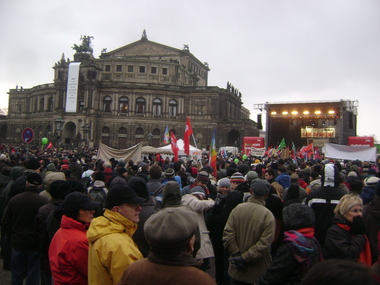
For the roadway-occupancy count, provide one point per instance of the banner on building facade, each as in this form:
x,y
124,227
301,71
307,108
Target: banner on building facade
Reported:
x,y
350,152
72,87
309,132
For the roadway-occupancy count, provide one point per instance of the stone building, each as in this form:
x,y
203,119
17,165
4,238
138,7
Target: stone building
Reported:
x,y
129,95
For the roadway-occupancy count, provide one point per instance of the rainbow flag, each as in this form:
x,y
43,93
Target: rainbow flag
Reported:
x,y
166,135
213,153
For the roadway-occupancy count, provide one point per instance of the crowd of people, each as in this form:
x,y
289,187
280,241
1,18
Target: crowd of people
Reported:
x,y
71,218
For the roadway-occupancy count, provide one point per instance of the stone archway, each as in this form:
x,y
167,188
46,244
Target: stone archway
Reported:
x,y
234,139
69,133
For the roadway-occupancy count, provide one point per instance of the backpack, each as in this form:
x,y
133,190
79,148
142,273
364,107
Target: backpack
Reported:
x,y
98,194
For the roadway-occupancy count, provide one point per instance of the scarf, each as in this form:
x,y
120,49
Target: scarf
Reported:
x,y
365,255
301,247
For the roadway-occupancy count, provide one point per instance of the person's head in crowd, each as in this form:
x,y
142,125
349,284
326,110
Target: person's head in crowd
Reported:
x,y
231,171
270,174
202,178
33,164
314,175
171,195
54,189
121,171
198,192
349,207
293,192
250,176
79,206
278,188
140,187
236,179
6,171
98,176
297,216
260,188
51,177
356,186
155,172
68,187
294,178
224,185
171,232
243,169
330,176
339,272
33,179
169,173
124,200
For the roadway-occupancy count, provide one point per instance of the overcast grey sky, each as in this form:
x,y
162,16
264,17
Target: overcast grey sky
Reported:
x,y
270,50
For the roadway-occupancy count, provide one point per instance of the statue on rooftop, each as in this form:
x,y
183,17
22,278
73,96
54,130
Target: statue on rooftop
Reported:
x,y
85,47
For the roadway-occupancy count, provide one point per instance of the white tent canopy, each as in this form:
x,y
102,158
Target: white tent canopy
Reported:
x,y
193,150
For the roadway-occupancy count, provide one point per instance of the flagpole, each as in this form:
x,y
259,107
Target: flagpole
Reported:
x,y
195,143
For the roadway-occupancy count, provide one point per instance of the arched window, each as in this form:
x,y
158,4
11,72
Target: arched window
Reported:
x,y
157,105
172,108
122,139
156,138
107,101
123,105
106,135
140,106
139,135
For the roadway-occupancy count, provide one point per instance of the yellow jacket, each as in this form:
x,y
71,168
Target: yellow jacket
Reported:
x,y
111,248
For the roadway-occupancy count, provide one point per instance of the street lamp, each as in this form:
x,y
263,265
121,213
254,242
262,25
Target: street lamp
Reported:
x,y
59,127
86,130
150,137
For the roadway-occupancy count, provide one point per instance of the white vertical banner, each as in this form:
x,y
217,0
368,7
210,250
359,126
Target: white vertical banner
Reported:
x,y
72,87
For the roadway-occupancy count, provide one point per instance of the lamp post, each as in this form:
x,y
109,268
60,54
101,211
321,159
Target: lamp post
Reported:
x,y
150,137
86,130
59,127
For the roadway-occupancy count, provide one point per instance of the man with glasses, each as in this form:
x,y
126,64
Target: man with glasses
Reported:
x,y
111,248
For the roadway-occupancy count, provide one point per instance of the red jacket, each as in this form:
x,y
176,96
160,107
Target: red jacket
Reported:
x,y
68,253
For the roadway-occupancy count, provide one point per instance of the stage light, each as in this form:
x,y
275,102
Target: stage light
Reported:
x,y
306,112
273,113
294,112
285,112
317,112
331,112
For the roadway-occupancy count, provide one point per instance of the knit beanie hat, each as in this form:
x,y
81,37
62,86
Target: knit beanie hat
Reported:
x,y
297,216
251,175
224,182
352,173
231,171
243,169
203,176
198,190
170,229
237,177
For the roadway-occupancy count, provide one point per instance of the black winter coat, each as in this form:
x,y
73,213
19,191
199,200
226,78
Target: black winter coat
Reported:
x,y
342,244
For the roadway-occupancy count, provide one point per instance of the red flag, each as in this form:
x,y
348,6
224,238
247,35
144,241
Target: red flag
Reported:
x,y
186,137
50,145
174,146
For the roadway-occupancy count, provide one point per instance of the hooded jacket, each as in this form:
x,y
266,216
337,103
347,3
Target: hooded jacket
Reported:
x,y
111,248
68,253
283,179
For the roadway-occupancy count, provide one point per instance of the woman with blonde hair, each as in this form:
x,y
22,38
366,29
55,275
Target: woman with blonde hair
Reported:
x,y
346,238
279,189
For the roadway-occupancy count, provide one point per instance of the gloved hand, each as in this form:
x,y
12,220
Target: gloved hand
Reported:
x,y
237,262
358,226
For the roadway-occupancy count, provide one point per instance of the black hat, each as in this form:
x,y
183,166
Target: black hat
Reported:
x,y
70,186
118,195
297,216
34,178
76,201
140,187
33,163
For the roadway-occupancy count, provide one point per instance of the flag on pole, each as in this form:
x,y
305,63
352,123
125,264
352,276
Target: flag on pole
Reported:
x,y
174,146
50,145
281,145
293,152
186,137
307,150
166,135
213,153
